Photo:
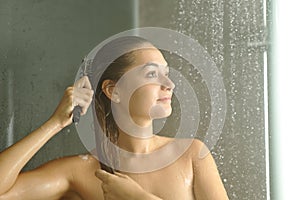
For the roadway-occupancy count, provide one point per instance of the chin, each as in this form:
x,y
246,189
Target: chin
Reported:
x,y
169,112
160,113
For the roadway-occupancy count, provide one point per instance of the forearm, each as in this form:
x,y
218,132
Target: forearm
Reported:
x,y
15,157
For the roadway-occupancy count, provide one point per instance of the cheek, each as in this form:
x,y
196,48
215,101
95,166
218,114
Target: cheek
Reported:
x,y
143,99
145,95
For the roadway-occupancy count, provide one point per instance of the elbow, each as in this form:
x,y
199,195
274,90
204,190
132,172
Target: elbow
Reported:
x,y
7,196
5,187
3,192
7,192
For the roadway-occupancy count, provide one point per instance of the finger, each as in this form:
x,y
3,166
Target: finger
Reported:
x,y
68,95
83,93
87,83
83,97
83,105
120,175
104,188
103,175
82,102
83,82
104,191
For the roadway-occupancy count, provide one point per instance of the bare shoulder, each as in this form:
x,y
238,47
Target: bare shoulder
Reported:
x,y
76,160
71,164
198,150
194,148
197,146
77,170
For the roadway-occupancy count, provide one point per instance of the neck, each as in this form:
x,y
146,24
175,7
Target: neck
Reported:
x,y
137,127
135,144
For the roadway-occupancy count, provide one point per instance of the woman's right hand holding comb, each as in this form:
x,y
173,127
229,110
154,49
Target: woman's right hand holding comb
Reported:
x,y
80,94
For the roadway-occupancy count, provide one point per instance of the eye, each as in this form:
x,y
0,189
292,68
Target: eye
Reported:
x,y
151,74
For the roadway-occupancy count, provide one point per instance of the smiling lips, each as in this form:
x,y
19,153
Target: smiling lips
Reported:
x,y
164,99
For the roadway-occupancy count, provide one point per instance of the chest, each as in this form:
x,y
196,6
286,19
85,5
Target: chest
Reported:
x,y
172,182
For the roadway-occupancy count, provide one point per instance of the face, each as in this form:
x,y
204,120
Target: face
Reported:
x,y
145,89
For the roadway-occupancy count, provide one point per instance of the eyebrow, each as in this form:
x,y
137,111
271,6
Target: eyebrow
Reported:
x,y
153,64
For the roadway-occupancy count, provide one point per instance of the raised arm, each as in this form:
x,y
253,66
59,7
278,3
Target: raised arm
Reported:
x,y
207,182
13,159
45,182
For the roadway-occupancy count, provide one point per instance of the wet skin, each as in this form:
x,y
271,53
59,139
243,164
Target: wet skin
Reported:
x,y
189,177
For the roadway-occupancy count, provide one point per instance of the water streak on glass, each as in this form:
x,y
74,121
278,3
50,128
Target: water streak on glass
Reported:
x,y
234,33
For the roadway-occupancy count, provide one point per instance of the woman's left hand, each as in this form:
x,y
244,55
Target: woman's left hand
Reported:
x,y
121,187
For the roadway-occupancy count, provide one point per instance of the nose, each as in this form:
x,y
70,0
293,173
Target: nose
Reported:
x,y
167,83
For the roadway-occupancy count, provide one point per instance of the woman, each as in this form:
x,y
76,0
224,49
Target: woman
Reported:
x,y
132,91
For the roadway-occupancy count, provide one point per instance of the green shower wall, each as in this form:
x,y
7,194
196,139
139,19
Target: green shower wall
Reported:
x,y
42,43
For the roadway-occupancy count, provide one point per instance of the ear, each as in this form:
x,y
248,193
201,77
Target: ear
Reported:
x,y
109,89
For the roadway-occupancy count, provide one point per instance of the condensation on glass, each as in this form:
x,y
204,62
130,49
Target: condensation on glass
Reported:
x,y
235,34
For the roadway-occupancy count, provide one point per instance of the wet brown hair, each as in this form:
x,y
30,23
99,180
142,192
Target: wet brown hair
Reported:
x,y
110,63
114,57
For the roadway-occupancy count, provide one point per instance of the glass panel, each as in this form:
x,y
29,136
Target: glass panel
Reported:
x,y
235,34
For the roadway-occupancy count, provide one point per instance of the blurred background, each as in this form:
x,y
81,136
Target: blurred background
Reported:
x,y
43,42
